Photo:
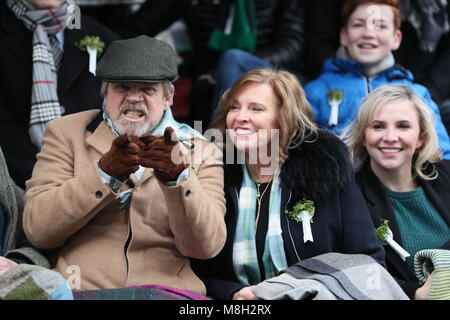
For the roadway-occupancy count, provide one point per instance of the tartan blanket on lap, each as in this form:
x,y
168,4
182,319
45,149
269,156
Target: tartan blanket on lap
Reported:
x,y
146,292
29,282
336,276
437,260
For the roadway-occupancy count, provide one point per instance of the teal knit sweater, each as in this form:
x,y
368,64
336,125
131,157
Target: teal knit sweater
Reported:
x,y
421,226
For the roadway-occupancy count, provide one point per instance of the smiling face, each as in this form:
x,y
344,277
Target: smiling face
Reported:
x,y
370,35
392,137
136,108
252,115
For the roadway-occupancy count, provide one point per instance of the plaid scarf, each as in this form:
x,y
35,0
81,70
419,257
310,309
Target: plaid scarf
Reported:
x,y
28,282
245,260
44,98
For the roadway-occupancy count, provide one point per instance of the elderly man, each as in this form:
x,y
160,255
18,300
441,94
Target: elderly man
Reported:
x,y
118,194
43,74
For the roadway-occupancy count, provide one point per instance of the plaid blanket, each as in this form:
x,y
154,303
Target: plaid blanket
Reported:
x,y
336,276
146,292
437,261
28,282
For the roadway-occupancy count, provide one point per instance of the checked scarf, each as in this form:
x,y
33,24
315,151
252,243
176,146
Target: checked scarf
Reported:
x,y
44,98
245,261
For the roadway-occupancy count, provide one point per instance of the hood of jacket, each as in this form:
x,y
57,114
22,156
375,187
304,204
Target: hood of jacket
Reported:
x,y
312,171
343,66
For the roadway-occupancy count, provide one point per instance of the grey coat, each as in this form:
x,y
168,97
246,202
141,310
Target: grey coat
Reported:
x,y
15,245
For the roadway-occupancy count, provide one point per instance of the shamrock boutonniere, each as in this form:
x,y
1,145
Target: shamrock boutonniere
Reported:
x,y
335,98
303,211
94,46
91,41
385,234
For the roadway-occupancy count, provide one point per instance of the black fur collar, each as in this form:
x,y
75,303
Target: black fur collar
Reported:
x,y
313,171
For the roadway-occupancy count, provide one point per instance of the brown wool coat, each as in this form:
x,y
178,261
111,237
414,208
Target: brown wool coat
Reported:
x,y
68,208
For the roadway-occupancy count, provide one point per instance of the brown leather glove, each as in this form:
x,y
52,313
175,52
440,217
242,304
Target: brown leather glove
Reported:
x,y
123,157
157,154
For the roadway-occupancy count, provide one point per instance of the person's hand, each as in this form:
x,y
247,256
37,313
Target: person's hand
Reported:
x,y
245,294
424,290
122,159
163,154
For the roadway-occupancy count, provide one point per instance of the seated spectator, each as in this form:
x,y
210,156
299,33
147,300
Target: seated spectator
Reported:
x,y
424,50
106,194
275,33
43,75
364,63
402,177
282,207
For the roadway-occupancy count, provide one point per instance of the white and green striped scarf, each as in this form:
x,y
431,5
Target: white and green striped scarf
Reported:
x,y
245,259
437,260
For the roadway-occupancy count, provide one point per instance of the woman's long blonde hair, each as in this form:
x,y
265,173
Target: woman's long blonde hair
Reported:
x,y
294,116
354,134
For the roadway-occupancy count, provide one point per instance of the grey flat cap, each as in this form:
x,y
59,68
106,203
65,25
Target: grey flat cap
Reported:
x,y
141,59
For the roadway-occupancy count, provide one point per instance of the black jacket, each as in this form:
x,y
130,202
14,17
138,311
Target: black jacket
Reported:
x,y
78,90
437,191
280,29
318,171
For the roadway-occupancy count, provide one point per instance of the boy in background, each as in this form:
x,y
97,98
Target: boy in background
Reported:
x,y
370,32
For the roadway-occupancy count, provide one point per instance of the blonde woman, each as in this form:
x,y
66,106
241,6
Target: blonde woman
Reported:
x,y
291,164
402,176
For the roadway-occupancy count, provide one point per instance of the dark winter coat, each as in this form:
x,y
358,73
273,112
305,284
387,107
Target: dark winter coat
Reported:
x,y
318,171
380,207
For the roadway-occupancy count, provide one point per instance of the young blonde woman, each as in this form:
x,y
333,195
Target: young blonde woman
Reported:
x,y
286,161
402,176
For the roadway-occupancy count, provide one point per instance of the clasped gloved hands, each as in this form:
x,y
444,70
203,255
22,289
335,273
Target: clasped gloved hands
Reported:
x,y
162,153
123,157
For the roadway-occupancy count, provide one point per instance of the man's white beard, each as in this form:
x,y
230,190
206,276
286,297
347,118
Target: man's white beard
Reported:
x,y
122,126
131,128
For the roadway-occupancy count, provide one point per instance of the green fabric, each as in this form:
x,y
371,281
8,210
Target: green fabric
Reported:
x,y
421,226
12,204
28,290
29,282
243,31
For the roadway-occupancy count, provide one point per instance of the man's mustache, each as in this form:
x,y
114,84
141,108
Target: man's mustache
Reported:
x,y
134,107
